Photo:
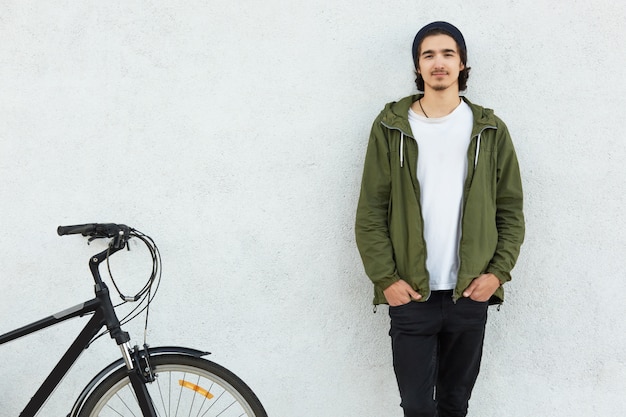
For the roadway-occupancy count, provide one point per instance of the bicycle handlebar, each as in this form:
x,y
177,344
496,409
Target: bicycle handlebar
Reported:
x,y
95,229
84,229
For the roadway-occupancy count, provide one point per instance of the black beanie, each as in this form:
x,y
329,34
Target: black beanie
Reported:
x,y
444,26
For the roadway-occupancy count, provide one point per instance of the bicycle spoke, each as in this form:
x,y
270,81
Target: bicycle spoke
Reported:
x,y
166,411
124,404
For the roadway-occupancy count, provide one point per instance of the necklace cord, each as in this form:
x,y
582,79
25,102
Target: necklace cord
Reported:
x,y
421,108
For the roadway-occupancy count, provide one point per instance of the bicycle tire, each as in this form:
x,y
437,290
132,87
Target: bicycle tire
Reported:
x,y
184,385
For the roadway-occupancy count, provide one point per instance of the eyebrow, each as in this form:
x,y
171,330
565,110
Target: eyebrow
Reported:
x,y
430,51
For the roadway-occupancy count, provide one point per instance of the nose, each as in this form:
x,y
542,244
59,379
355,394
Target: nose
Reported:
x,y
438,61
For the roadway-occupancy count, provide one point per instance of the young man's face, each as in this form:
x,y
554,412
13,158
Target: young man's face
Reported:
x,y
439,62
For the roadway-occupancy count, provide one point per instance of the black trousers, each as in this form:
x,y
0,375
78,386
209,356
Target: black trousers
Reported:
x,y
437,347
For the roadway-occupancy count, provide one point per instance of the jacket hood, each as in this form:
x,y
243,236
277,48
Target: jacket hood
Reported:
x,y
395,115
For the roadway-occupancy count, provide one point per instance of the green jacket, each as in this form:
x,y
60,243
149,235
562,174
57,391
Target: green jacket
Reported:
x,y
389,223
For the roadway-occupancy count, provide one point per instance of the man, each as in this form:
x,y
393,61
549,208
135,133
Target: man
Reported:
x,y
439,225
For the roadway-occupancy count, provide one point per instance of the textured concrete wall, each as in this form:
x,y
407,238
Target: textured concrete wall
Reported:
x,y
234,134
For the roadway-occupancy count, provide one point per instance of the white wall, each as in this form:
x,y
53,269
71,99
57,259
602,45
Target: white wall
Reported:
x,y
234,134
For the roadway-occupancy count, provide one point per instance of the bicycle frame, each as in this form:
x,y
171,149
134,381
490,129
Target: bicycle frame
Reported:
x,y
103,315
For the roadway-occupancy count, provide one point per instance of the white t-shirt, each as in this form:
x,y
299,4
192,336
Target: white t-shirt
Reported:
x,y
441,172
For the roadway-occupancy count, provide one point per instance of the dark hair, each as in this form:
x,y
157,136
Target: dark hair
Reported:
x,y
463,75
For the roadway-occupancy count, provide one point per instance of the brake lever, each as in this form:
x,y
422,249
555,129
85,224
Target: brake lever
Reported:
x,y
92,238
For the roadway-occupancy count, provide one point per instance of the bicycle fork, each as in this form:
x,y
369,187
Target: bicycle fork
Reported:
x,y
140,374
137,366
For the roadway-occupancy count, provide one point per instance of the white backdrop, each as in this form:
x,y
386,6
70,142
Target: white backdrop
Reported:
x,y
234,134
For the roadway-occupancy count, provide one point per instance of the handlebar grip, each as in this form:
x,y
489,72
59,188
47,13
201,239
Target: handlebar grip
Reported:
x,y
84,229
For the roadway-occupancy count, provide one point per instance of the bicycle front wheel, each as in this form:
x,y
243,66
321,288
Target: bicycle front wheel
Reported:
x,y
184,386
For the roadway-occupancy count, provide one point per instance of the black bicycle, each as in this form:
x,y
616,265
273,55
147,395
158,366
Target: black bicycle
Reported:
x,y
146,381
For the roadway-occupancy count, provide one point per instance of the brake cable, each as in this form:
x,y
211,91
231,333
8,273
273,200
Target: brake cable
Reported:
x,y
146,294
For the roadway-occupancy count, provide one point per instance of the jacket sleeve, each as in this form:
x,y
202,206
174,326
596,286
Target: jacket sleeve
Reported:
x,y
371,227
509,208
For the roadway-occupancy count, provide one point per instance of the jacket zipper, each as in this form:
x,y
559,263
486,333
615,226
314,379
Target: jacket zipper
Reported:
x,y
455,295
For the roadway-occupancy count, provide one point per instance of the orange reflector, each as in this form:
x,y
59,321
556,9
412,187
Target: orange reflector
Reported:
x,y
196,388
